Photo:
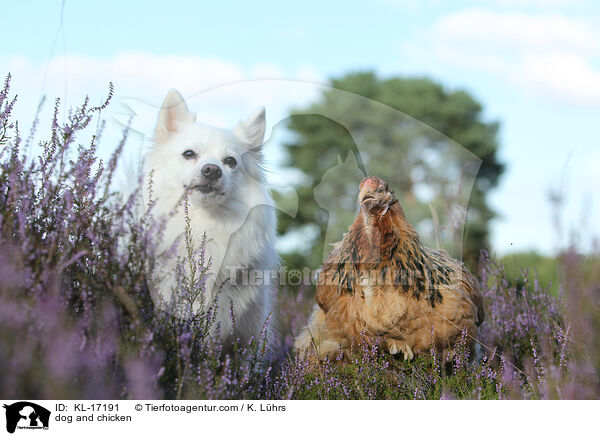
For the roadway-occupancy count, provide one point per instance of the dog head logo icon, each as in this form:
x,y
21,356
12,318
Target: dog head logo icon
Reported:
x,y
26,415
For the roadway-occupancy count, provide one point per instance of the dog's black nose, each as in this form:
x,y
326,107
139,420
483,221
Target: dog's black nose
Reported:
x,y
212,171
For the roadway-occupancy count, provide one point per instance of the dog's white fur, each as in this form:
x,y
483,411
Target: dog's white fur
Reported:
x,y
239,220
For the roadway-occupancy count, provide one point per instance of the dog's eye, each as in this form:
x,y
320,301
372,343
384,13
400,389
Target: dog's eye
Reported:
x,y
230,161
189,154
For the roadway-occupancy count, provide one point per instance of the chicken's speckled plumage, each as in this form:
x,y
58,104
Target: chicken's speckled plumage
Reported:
x,y
381,281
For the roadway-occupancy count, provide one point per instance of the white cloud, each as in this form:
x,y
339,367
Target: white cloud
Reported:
x,y
220,92
209,83
137,75
559,76
510,30
412,5
545,3
550,55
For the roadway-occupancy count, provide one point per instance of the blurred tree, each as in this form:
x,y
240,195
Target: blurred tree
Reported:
x,y
533,265
403,145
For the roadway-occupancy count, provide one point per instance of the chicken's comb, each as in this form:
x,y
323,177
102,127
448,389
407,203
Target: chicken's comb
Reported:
x,y
372,181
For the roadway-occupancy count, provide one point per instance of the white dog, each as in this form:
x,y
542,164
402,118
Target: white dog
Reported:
x,y
228,200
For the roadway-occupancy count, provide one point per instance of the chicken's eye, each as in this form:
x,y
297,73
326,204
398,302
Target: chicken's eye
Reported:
x,y
230,161
380,191
189,154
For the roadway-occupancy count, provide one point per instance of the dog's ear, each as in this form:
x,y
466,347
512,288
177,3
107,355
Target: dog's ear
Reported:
x,y
252,131
172,114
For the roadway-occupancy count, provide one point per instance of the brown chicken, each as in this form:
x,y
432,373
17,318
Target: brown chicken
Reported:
x,y
380,281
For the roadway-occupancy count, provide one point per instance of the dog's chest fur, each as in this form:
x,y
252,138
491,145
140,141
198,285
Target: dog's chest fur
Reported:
x,y
240,238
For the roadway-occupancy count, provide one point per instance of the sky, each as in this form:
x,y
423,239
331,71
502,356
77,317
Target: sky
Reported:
x,y
533,64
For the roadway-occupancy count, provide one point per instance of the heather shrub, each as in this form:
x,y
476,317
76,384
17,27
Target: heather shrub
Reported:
x,y
517,312
77,319
74,307
76,316
371,373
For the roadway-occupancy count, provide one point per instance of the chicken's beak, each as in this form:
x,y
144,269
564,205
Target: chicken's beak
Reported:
x,y
366,196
